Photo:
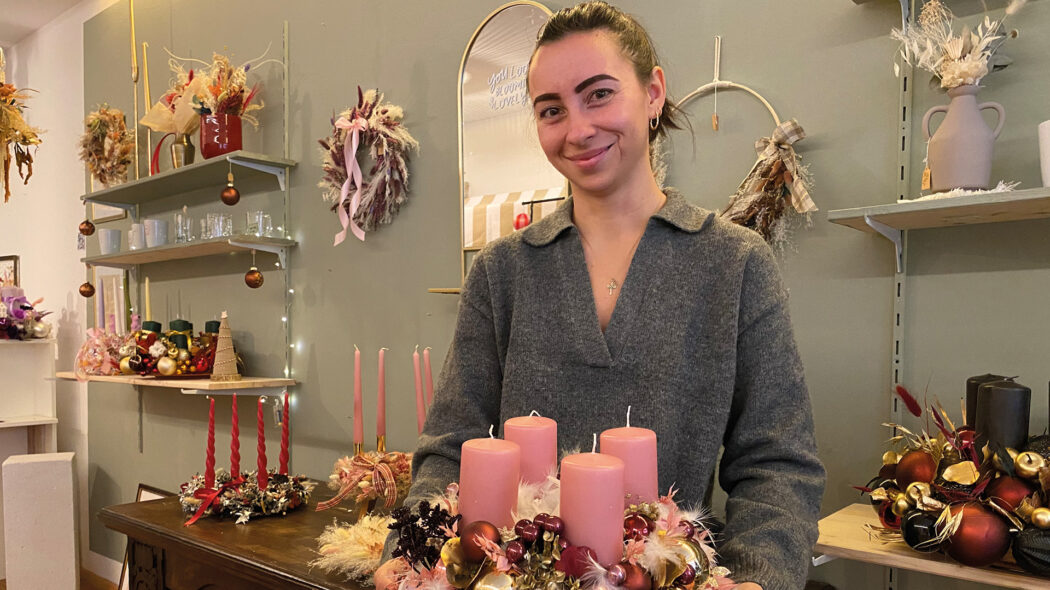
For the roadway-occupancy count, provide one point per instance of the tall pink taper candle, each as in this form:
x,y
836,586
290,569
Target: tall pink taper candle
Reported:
x,y
636,447
381,395
592,504
538,438
359,412
421,408
235,443
283,458
429,376
489,470
209,458
260,448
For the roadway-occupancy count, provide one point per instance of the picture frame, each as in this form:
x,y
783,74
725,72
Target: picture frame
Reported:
x,y
111,311
101,213
144,494
9,271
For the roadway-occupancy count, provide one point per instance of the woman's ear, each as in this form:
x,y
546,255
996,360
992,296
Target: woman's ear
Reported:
x,y
657,91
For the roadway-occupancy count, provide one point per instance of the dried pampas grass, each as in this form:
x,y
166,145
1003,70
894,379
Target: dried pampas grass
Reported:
x,y
356,550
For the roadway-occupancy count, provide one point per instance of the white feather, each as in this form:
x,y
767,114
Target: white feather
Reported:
x,y
539,498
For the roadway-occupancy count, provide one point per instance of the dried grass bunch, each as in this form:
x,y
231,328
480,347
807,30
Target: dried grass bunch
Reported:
x,y
16,133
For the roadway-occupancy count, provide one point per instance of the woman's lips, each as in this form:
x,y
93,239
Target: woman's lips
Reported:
x,y
589,158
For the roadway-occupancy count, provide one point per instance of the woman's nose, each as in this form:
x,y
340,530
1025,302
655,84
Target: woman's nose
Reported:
x,y
581,128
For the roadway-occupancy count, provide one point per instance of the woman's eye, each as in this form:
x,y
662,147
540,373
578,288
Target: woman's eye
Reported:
x,y
548,112
601,93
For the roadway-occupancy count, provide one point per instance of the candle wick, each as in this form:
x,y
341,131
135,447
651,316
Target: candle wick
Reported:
x,y
491,428
535,413
594,447
628,416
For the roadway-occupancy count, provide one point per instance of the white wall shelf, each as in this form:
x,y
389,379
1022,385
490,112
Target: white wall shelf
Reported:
x,y
196,249
189,385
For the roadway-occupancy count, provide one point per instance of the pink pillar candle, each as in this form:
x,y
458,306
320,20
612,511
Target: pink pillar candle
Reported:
x,y
538,438
636,447
429,376
489,470
421,408
381,395
592,504
359,418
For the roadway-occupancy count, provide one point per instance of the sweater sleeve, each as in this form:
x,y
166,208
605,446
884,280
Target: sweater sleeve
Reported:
x,y
467,397
769,469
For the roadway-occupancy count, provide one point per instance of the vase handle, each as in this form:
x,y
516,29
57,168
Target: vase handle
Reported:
x,y
999,109
926,119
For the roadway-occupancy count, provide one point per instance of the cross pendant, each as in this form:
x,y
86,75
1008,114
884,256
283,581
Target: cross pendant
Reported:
x,y
611,286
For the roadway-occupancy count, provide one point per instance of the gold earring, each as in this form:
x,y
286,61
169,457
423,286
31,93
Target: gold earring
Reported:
x,y
654,123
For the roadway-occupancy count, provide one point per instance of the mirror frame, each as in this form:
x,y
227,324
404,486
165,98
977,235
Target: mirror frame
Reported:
x,y
459,105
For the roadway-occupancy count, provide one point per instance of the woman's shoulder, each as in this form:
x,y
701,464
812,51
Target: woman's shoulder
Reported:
x,y
707,227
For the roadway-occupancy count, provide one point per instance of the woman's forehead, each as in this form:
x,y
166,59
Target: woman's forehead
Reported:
x,y
574,58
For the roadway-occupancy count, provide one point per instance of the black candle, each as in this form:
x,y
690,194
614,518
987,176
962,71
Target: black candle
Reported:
x,y
1003,410
972,385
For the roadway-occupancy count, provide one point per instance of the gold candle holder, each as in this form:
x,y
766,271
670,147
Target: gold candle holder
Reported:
x,y
359,449
381,443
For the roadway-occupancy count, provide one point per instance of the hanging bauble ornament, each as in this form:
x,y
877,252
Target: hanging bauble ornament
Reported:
x,y
86,227
253,278
87,290
521,221
230,195
918,529
167,366
1007,492
982,538
914,466
1032,550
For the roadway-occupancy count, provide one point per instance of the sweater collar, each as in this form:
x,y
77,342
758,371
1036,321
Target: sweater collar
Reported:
x,y
676,212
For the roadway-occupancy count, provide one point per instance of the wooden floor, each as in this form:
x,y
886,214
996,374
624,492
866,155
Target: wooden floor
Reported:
x,y
88,581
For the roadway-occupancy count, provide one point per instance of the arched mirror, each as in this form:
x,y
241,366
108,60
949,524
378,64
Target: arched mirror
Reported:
x,y
503,173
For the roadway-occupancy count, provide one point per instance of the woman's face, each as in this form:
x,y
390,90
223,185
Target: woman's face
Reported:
x,y
592,113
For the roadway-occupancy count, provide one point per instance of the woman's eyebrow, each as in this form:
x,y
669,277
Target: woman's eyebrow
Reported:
x,y
579,88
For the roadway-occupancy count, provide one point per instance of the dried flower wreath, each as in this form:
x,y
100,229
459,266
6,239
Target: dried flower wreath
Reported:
x,y
107,145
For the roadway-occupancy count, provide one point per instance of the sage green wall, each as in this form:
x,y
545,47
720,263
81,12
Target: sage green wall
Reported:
x,y
829,64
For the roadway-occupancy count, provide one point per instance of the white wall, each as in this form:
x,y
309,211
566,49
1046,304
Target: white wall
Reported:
x,y
39,224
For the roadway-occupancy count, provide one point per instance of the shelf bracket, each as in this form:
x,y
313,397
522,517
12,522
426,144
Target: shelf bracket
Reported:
x,y
130,208
820,560
890,233
280,172
280,251
273,392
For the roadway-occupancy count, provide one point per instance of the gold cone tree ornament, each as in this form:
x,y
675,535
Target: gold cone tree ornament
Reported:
x,y
225,368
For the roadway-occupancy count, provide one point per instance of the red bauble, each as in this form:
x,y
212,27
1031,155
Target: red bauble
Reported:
x,y
983,536
86,227
87,290
686,577
230,195
521,221
1007,492
253,278
575,561
637,527
468,539
886,515
915,466
515,551
637,578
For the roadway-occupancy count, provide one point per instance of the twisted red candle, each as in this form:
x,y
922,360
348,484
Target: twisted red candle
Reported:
x,y
235,443
209,460
260,449
284,437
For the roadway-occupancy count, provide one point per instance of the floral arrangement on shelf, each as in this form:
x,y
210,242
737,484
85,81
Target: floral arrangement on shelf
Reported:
x,y
664,546
107,146
16,136
377,126
370,477
220,88
19,318
941,493
174,112
955,59
242,498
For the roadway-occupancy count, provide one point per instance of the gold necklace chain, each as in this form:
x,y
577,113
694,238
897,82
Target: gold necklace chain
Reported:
x,y
613,285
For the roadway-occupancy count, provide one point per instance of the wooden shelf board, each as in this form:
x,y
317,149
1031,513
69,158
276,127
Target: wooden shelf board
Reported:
x,y
195,249
445,290
842,534
201,384
210,172
23,421
24,342
965,210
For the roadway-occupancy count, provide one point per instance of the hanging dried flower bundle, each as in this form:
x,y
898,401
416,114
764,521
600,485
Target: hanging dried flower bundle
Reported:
x,y
107,145
954,60
16,136
377,126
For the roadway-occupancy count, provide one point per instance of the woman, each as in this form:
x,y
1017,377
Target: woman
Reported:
x,y
628,295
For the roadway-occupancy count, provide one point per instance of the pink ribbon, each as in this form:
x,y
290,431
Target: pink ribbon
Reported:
x,y
353,173
382,480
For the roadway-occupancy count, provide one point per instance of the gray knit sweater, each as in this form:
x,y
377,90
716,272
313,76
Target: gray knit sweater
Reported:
x,y
700,345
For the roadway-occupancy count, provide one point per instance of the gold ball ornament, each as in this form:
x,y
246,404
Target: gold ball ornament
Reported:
x,y
41,330
87,290
1041,518
166,366
125,366
86,227
183,356
253,278
494,581
901,505
1028,464
230,195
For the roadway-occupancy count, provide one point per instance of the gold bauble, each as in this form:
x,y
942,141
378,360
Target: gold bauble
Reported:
x,y
494,581
1028,464
694,556
125,366
167,366
1041,518
917,490
458,571
901,505
183,356
890,458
